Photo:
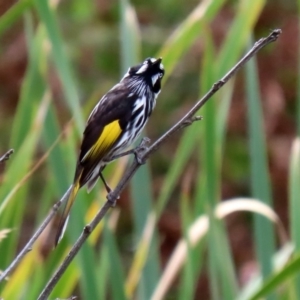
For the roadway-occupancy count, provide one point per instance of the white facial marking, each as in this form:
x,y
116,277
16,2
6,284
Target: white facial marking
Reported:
x,y
156,94
154,78
161,66
142,69
152,60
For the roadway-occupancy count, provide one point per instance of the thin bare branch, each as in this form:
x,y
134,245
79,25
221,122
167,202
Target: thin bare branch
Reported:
x,y
28,247
113,196
6,156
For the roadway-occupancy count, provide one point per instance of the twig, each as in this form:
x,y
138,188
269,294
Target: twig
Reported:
x,y
49,217
29,244
113,196
6,156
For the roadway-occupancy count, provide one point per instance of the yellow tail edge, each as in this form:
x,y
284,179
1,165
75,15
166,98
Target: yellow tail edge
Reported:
x,y
65,215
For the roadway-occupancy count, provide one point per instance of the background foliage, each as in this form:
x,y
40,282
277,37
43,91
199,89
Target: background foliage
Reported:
x,y
59,57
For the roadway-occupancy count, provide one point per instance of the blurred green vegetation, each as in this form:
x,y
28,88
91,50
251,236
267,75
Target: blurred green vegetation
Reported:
x,y
59,57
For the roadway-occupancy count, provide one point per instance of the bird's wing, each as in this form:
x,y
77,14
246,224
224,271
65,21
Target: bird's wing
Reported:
x,y
107,136
104,128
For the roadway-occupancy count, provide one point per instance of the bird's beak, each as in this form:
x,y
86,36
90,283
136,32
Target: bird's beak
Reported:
x,y
158,61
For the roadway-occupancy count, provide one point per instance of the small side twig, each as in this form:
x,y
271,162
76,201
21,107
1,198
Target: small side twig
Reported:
x,y
113,196
190,121
6,156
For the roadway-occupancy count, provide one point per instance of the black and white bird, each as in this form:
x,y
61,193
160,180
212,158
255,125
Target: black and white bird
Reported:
x,y
114,124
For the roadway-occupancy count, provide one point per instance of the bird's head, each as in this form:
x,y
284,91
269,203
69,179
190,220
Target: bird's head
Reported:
x,y
151,70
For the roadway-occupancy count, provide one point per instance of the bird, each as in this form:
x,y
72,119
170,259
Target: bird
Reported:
x,y
114,124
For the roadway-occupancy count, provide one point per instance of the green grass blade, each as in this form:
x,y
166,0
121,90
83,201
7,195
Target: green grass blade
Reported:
x,y
103,272
18,169
141,192
246,16
275,281
117,279
59,56
69,281
244,21
33,86
260,181
181,157
194,258
86,258
187,287
13,14
222,279
294,192
130,36
25,134
57,159
214,132
187,32
298,85
210,169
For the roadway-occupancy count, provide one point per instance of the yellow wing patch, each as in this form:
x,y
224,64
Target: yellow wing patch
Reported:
x,y
108,137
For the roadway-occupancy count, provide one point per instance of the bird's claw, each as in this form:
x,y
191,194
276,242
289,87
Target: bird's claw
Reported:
x,y
140,150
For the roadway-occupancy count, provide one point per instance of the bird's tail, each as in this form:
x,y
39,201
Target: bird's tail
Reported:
x,y
65,215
